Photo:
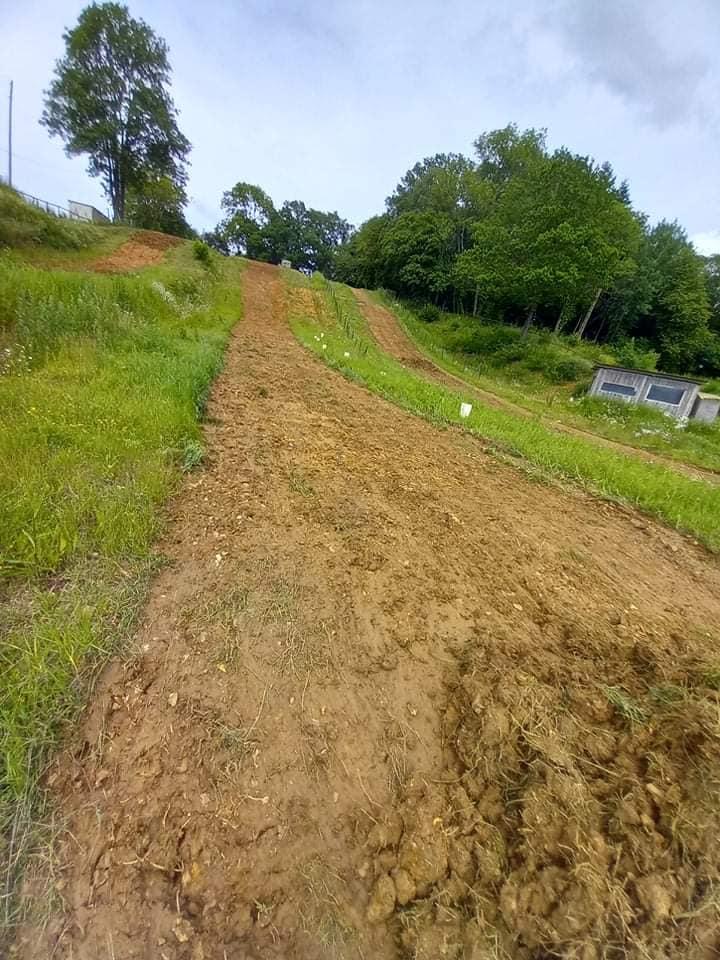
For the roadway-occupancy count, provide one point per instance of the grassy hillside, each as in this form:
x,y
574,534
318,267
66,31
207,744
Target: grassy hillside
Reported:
x,y
339,338
103,382
549,375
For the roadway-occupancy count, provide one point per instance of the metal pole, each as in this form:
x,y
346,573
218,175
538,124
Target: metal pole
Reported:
x,y
10,134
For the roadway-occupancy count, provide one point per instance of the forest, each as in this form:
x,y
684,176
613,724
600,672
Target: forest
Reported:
x,y
516,233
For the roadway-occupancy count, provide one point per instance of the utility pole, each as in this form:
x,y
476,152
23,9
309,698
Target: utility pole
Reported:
x,y
10,105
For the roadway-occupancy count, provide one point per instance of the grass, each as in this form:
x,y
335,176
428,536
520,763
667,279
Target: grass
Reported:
x,y
102,387
546,375
685,503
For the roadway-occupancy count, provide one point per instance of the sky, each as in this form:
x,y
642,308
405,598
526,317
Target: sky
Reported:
x,y
331,102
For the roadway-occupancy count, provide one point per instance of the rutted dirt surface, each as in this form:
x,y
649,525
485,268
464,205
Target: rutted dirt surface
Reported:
x,y
392,699
392,338
142,249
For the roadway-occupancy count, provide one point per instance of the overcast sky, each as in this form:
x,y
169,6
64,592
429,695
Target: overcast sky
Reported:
x,y
330,102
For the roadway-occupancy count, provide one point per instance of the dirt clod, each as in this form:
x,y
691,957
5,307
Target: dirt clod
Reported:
x,y
382,899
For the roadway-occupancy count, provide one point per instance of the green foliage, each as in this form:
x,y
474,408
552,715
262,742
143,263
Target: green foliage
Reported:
x,y
680,306
202,252
530,372
158,204
22,224
192,455
636,353
109,100
255,228
712,278
525,235
429,313
98,420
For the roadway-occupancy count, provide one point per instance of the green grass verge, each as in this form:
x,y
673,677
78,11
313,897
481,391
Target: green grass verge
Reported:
x,y
687,504
102,385
449,342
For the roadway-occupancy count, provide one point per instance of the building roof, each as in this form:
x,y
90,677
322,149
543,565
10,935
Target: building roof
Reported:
x,y
646,373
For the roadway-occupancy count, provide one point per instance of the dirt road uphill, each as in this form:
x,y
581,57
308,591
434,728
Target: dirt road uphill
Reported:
x,y
381,703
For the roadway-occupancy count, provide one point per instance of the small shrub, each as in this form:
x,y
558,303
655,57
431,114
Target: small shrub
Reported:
x,y
636,353
191,455
185,287
429,313
203,254
567,369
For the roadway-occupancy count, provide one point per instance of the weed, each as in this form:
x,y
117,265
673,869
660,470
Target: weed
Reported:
x,y
300,485
711,678
192,455
322,912
666,695
628,708
203,254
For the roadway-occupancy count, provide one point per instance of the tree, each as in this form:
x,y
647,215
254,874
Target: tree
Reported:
x,y
249,211
678,317
712,276
254,227
158,205
307,237
109,99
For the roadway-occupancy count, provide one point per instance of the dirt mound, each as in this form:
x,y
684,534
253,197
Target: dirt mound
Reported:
x,y
573,820
142,250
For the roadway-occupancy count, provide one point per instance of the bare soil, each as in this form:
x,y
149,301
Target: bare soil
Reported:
x,y
388,333
142,249
392,699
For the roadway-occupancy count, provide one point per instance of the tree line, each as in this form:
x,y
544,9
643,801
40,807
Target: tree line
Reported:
x,y
527,236
516,232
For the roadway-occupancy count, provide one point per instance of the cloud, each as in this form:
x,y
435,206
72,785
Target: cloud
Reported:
x,y
640,53
707,243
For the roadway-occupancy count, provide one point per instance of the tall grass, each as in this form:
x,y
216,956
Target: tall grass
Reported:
x,y
548,375
102,385
22,225
689,505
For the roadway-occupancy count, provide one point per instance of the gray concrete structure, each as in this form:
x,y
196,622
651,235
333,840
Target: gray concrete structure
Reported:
x,y
85,211
673,395
706,408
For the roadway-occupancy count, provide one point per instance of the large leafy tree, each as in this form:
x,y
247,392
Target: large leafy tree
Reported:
x,y
712,274
109,99
678,317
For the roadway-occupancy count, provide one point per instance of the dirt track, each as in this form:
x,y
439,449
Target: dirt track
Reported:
x,y
141,250
392,338
324,698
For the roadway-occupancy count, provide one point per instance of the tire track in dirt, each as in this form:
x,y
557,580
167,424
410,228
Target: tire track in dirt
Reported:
x,y
388,333
331,570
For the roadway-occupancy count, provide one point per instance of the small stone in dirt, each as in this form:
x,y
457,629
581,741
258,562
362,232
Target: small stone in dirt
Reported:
x,y
382,900
173,699
404,886
183,930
